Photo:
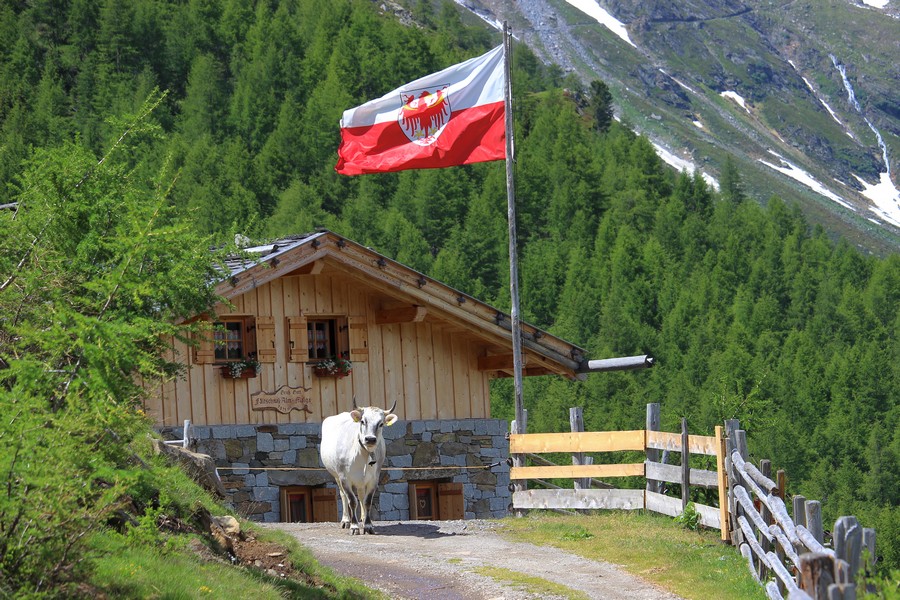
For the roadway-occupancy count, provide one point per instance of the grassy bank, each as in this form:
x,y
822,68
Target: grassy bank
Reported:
x,y
692,564
185,567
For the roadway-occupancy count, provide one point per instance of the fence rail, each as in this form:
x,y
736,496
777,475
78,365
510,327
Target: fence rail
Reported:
x,y
786,555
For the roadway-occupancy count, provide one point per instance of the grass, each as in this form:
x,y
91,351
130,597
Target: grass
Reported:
x,y
128,571
174,571
692,564
534,585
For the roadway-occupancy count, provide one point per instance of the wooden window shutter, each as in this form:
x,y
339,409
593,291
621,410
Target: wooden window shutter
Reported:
x,y
359,338
265,339
249,325
298,339
204,351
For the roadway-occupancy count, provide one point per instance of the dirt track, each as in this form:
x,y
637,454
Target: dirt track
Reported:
x,y
436,560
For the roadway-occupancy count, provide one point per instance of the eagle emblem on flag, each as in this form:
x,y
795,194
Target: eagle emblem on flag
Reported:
x,y
472,130
424,114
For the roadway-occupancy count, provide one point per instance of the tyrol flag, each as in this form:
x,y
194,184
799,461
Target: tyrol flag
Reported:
x,y
452,117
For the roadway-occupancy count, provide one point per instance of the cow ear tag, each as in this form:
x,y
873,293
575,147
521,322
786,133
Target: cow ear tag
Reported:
x,y
390,419
355,415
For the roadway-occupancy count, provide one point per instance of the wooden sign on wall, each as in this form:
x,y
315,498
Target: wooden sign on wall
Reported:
x,y
284,399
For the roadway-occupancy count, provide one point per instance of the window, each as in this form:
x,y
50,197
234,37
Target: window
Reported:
x,y
321,338
327,338
234,339
314,338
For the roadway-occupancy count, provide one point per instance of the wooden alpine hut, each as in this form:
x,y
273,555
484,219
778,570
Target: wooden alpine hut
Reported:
x,y
312,322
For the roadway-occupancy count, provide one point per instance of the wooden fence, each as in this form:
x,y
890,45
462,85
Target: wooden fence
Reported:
x,y
649,441
787,556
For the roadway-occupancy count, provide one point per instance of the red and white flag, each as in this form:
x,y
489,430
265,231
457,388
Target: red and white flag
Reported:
x,y
452,117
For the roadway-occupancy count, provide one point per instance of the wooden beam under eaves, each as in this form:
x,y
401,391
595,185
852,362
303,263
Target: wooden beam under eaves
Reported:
x,y
529,372
498,362
405,314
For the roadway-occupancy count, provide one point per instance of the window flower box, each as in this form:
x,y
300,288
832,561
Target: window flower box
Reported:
x,y
241,369
333,367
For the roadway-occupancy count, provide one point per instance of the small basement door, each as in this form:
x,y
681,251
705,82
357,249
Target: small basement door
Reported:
x,y
305,504
436,501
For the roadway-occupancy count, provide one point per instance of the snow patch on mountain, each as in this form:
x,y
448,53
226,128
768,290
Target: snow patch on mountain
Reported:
x,y
594,10
684,85
798,174
683,165
735,97
825,104
885,196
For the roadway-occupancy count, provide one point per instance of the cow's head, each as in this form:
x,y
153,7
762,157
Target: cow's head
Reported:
x,y
371,419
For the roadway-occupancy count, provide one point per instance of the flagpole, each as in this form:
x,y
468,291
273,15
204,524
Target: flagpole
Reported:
x,y
513,252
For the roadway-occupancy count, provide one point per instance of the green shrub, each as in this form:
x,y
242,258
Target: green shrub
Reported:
x,y
93,272
689,518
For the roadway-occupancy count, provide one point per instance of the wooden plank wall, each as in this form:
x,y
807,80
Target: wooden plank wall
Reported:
x,y
430,368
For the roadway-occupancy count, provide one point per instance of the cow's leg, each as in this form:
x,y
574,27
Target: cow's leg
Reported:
x,y
354,523
345,504
366,516
354,503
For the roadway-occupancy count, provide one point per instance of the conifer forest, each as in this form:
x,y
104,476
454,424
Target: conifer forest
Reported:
x,y
750,311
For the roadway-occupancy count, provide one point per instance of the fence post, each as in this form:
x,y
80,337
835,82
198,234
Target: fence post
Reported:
x,y
519,485
869,544
576,424
685,466
799,510
731,429
741,444
653,424
848,542
816,574
814,520
722,478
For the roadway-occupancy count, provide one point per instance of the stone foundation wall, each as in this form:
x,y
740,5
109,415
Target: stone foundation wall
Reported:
x,y
250,459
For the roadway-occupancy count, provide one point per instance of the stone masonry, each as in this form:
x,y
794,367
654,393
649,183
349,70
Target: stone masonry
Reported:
x,y
255,461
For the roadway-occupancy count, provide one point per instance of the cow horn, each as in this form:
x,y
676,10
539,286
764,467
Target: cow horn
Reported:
x,y
393,406
355,407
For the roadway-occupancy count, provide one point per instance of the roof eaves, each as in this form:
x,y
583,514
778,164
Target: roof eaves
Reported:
x,y
534,339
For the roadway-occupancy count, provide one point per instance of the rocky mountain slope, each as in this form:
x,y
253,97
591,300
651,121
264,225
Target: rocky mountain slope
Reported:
x,y
802,93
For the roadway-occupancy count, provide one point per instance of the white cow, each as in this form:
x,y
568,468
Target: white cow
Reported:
x,y
353,451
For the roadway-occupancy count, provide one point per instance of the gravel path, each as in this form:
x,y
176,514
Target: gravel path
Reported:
x,y
436,560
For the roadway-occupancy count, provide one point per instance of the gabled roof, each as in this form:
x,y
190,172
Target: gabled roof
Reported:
x,y
544,353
